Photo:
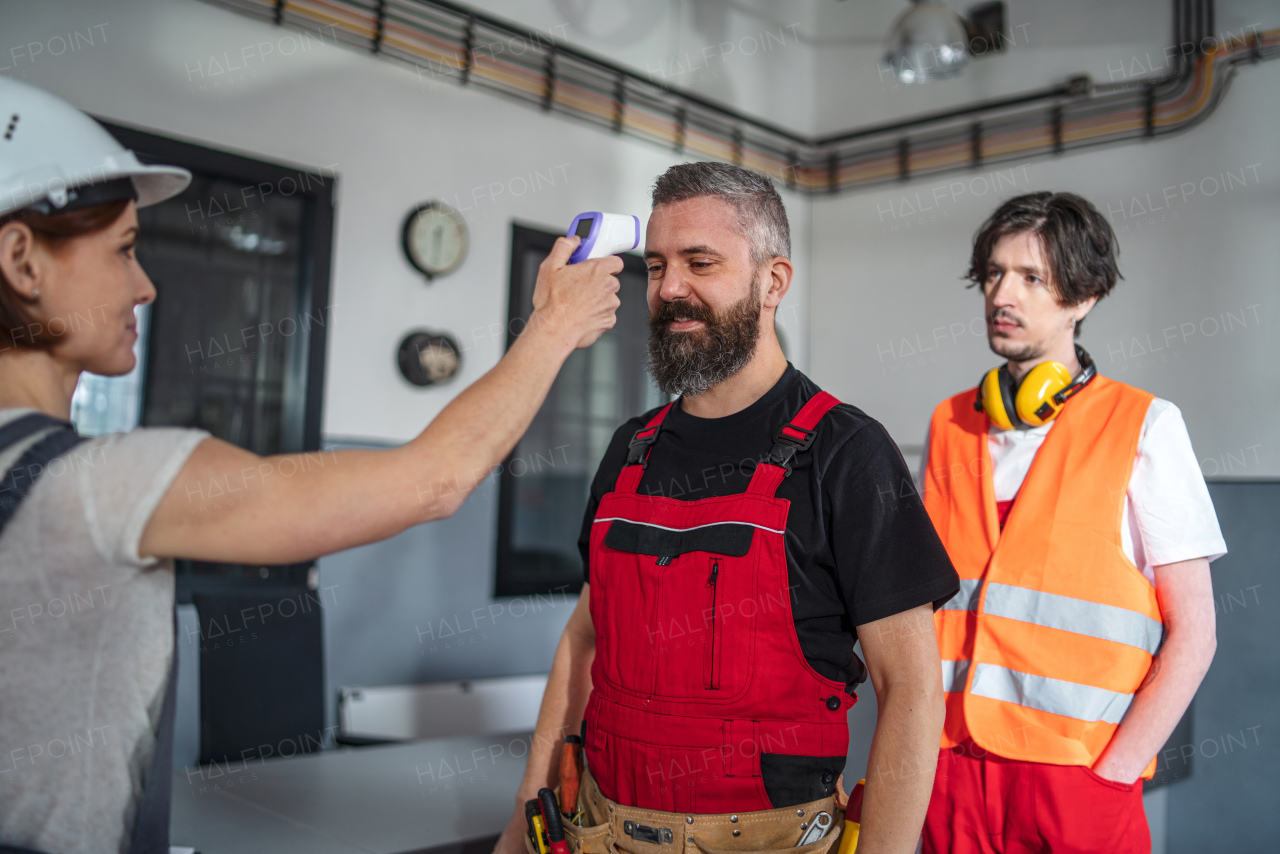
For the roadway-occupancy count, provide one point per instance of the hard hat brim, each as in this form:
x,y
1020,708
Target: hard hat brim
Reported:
x,y
157,183
52,150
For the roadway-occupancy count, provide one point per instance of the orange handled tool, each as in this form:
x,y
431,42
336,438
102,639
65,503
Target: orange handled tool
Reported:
x,y
570,778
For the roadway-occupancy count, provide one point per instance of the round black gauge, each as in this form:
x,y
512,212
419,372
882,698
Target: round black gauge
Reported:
x,y
429,358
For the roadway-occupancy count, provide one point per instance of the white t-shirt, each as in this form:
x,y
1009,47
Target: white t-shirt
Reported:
x,y
1168,514
86,640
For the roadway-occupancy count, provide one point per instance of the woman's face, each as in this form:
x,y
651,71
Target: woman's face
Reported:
x,y
90,288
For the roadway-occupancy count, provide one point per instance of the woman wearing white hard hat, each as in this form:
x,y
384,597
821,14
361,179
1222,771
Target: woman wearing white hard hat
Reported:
x,y
89,527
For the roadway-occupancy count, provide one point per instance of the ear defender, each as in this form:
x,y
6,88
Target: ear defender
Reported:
x,y
995,399
1035,401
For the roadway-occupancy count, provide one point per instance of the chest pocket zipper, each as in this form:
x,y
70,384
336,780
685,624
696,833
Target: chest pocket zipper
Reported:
x,y
711,642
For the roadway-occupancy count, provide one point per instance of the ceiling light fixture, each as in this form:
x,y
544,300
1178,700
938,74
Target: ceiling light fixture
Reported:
x,y
930,42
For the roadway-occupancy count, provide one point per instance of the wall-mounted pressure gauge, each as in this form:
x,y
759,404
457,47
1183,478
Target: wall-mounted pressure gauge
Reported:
x,y
428,358
435,239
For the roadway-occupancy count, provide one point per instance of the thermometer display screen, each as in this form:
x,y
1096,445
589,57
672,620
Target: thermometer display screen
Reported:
x,y
584,227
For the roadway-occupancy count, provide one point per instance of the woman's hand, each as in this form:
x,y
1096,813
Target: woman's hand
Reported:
x,y
576,303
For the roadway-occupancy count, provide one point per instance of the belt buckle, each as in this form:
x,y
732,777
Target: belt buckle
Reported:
x,y
645,833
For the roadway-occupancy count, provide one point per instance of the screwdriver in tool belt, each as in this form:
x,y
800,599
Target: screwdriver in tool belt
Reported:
x,y
551,816
569,777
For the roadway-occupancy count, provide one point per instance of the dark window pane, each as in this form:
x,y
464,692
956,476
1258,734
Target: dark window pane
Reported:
x,y
227,309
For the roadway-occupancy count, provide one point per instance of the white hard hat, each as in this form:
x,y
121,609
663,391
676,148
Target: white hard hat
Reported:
x,y
55,158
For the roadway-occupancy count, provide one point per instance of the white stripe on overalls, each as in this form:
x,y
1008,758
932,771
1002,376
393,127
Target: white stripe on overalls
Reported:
x,y
694,528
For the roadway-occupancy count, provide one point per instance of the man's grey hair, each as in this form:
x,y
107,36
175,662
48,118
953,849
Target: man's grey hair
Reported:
x,y
762,219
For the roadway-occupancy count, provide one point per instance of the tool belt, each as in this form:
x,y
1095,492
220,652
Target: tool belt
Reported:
x,y
612,828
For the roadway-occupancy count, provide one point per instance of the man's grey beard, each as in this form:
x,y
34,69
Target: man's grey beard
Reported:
x,y
690,363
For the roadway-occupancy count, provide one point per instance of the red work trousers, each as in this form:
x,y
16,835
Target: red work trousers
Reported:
x,y
985,804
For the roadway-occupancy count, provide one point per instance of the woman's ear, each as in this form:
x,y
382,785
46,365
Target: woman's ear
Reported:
x,y
20,261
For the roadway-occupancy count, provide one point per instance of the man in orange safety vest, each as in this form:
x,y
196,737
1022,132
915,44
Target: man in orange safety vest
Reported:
x,y
1078,520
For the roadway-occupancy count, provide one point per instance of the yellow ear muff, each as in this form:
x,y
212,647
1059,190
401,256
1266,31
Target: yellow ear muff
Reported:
x,y
1035,404
992,398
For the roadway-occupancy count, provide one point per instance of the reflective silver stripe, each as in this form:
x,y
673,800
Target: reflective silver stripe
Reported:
x,y
1108,622
691,528
953,674
967,598
1056,696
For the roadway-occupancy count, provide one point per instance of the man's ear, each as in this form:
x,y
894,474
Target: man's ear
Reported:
x,y
776,281
19,261
1084,308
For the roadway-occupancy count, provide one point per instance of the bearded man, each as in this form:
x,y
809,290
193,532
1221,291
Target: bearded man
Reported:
x,y
737,542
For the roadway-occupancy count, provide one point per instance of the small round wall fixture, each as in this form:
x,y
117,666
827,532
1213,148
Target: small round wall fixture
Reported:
x,y
429,358
434,239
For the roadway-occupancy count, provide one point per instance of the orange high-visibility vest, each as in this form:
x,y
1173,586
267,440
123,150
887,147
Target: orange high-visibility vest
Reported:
x,y
1054,628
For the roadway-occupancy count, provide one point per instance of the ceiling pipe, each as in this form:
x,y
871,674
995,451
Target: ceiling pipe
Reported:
x,y
446,40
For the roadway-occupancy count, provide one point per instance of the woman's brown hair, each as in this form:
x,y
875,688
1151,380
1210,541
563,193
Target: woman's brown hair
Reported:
x,y
55,231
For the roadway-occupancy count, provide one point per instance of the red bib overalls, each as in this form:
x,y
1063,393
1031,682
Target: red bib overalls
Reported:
x,y
698,669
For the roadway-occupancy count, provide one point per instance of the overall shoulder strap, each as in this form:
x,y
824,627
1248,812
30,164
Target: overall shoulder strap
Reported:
x,y
19,479
638,452
796,436
23,426
151,825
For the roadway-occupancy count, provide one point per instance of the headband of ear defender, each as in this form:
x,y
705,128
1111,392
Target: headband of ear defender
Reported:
x,y
1036,400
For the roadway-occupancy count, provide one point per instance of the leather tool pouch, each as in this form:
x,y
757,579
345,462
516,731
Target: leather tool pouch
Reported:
x,y
608,828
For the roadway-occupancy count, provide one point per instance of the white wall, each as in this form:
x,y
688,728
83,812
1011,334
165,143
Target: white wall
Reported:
x,y
750,55
394,138
895,331
1046,42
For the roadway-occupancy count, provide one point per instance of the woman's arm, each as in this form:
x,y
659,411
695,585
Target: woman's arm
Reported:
x,y
233,506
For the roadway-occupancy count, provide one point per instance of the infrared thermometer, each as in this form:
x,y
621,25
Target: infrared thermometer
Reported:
x,y
603,234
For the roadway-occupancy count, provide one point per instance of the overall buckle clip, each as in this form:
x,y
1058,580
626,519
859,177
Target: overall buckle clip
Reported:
x,y
789,441
641,442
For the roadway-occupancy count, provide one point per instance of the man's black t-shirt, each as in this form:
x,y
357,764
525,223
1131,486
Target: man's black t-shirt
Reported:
x,y
860,545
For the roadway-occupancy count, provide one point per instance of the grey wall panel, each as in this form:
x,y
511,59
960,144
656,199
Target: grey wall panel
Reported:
x,y
419,607
1229,802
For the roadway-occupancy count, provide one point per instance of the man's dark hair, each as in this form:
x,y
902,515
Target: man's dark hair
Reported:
x,y
1078,243
762,219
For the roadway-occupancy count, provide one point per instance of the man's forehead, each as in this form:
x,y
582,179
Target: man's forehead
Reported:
x,y
1022,248
703,223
